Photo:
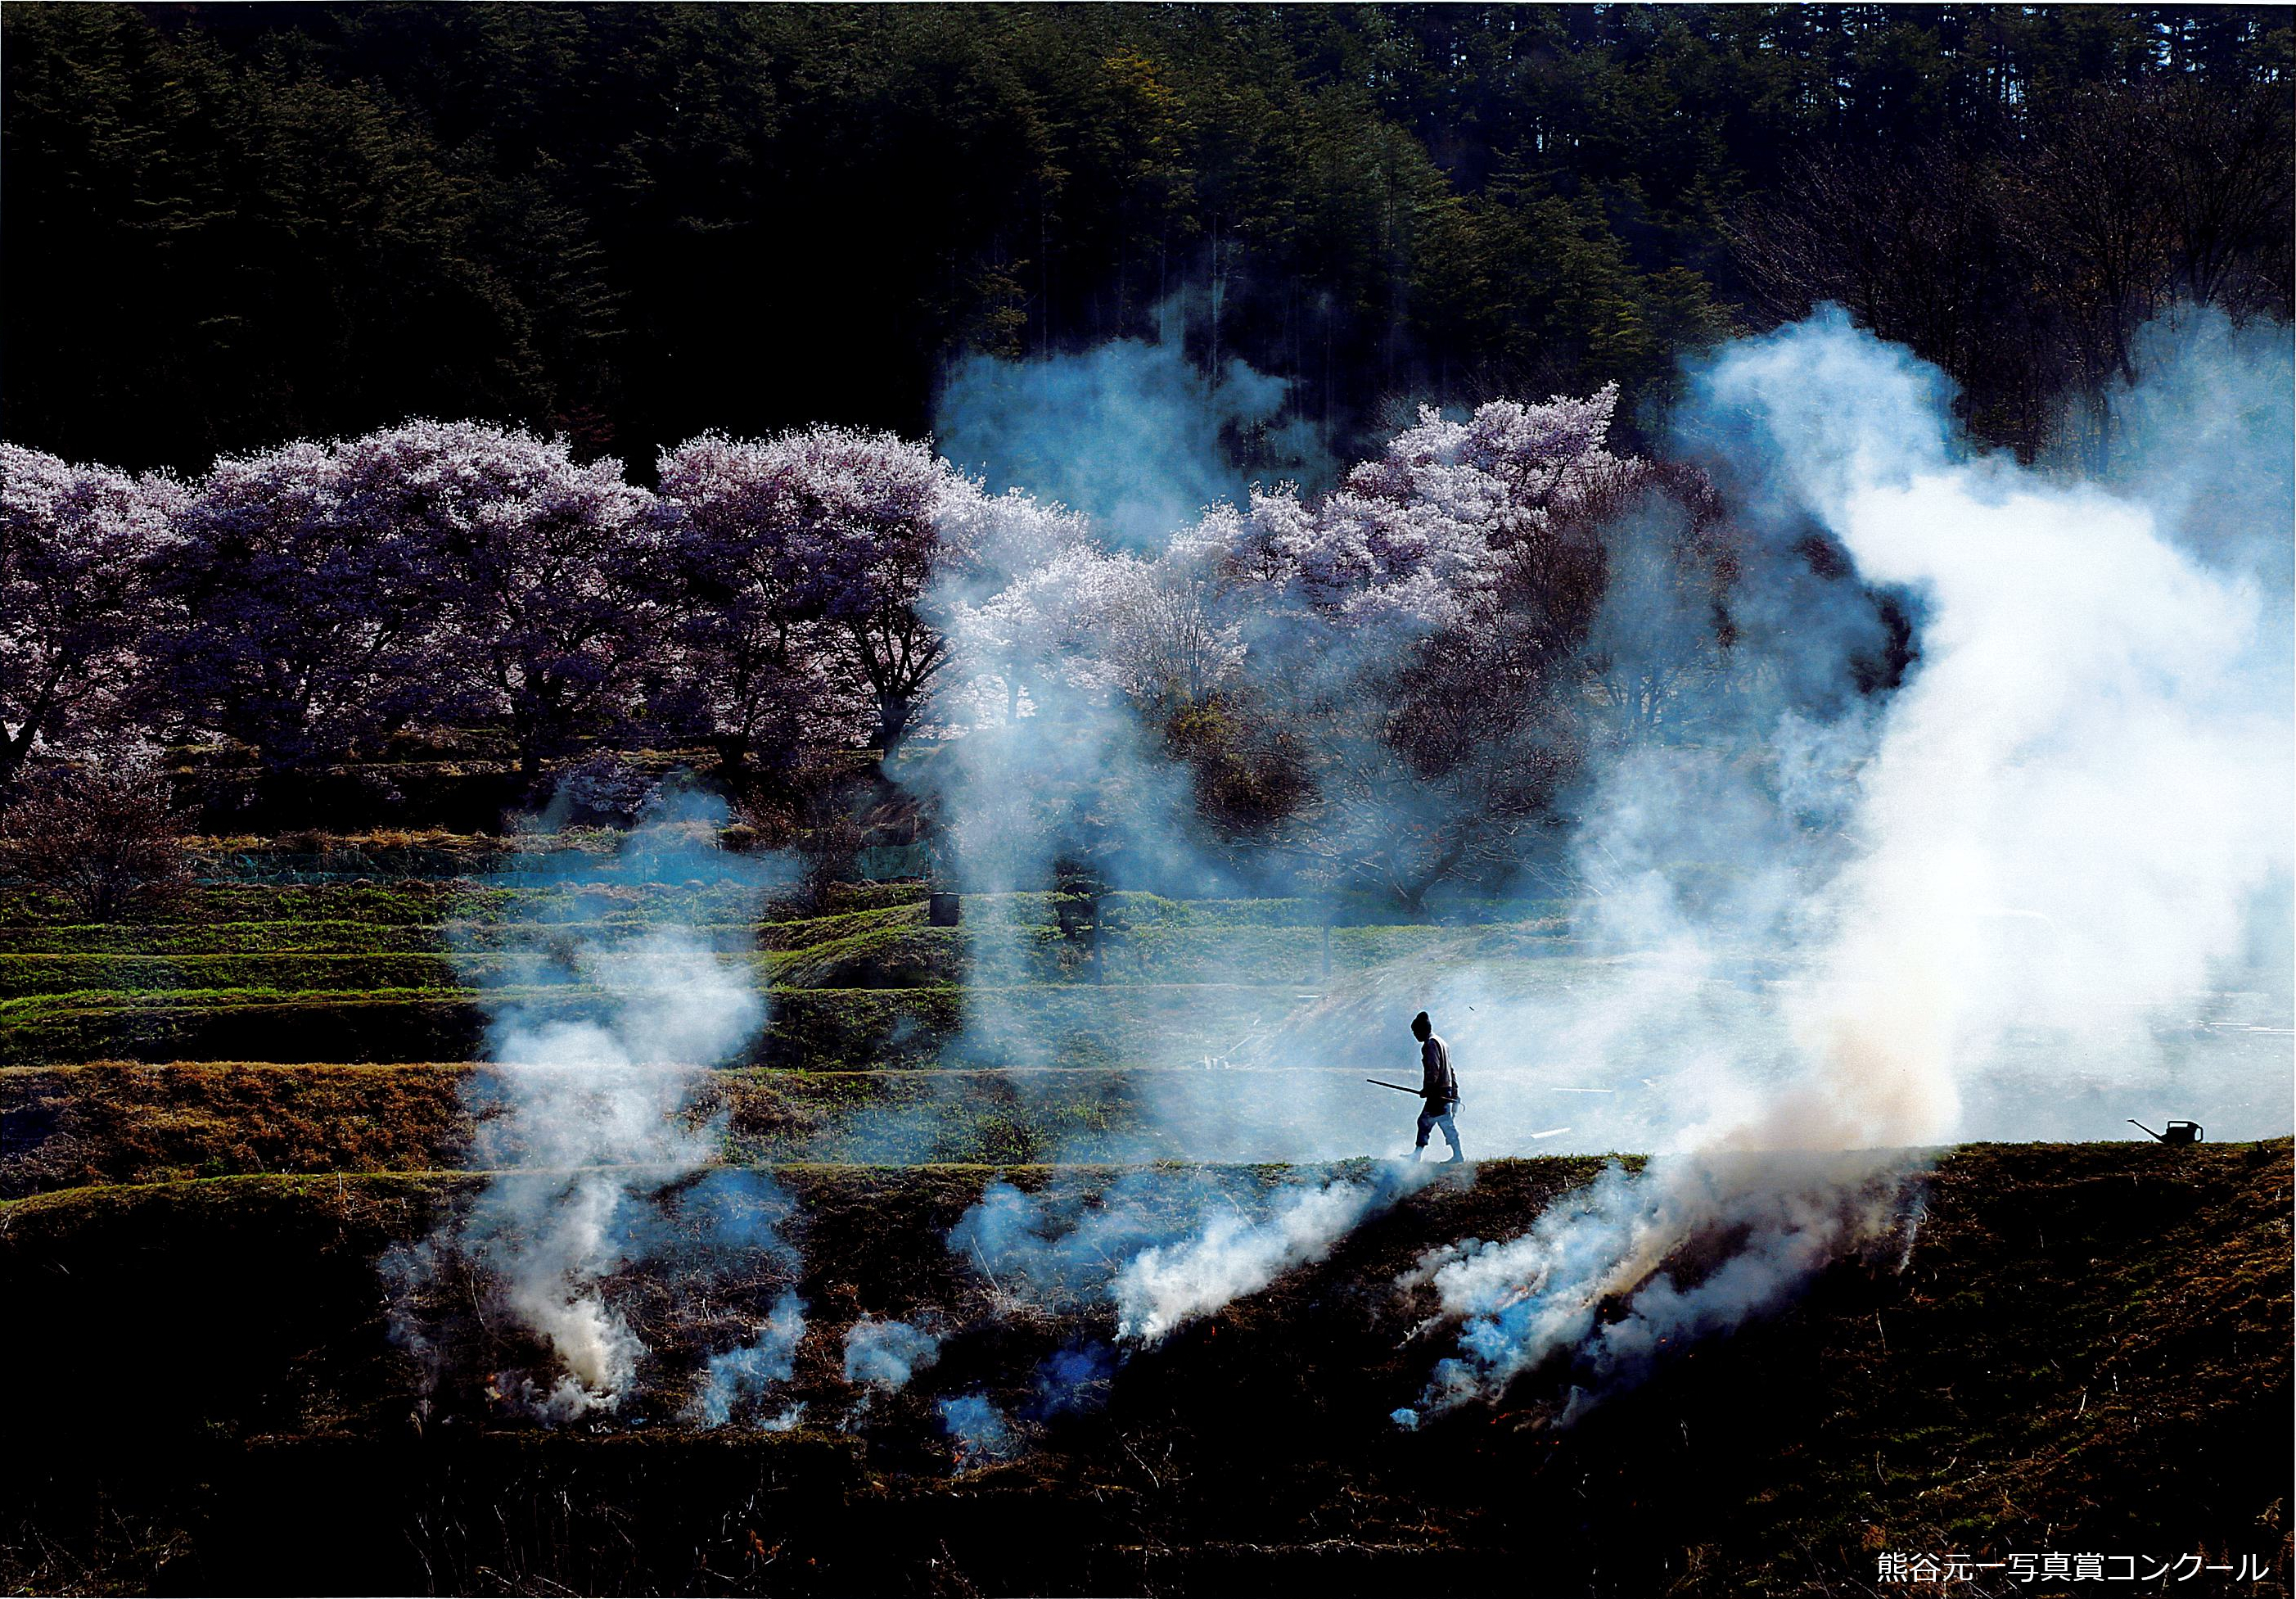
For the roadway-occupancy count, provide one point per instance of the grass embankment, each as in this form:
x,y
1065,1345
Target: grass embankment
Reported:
x,y
889,948
2087,1349
818,1029
114,1122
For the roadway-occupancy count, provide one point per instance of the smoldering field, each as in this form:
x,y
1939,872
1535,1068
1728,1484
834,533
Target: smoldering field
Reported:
x,y
1809,917
2038,884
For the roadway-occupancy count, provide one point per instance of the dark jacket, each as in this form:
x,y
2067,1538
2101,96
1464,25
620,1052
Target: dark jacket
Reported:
x,y
1439,1085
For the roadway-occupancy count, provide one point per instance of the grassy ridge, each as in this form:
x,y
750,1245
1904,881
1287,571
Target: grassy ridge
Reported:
x,y
65,1127
873,949
337,937
257,1025
92,978
416,901
808,1028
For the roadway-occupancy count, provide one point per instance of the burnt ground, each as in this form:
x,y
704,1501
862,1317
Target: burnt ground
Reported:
x,y
2088,1350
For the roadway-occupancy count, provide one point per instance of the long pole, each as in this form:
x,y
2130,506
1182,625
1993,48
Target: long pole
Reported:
x,y
1398,1088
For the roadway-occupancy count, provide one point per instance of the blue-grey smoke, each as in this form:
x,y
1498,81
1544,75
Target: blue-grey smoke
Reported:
x,y
884,1355
1074,1377
744,1374
980,1430
1133,433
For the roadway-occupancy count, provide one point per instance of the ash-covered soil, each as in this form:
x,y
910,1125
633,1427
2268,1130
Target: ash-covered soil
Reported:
x,y
2087,1349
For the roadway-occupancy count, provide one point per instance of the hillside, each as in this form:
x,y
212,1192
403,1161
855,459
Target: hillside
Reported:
x,y
2085,1349
223,1127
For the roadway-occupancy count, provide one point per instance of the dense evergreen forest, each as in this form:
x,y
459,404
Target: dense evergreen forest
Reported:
x,y
230,226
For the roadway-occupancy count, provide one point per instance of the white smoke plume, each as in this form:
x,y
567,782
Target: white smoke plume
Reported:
x,y
1630,1245
2093,745
2077,803
1162,1256
591,1098
597,1045
1165,1286
884,1355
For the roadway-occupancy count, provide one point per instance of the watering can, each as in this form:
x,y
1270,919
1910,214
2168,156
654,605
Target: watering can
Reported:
x,y
2175,1132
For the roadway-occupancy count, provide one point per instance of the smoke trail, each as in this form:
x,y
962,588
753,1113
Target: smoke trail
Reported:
x,y
1130,432
2078,796
1160,1258
1165,1286
1059,1247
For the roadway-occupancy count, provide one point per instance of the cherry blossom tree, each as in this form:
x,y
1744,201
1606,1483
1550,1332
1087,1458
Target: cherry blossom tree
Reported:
x,y
80,547
307,620
1073,617
435,570
1169,639
834,545
1424,626
725,515
863,543
550,578
1429,534
824,535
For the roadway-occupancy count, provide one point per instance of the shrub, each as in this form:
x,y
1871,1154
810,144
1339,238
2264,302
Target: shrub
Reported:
x,y
601,791
99,837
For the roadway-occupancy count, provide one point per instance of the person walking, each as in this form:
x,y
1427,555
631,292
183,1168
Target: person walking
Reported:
x,y
1438,1086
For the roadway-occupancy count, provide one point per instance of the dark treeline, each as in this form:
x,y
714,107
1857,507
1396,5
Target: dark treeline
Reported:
x,y
231,226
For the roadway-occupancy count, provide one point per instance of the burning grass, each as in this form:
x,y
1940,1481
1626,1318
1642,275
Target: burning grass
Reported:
x,y
2086,1348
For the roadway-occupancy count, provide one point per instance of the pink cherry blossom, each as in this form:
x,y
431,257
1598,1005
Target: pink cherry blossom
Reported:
x,y
79,549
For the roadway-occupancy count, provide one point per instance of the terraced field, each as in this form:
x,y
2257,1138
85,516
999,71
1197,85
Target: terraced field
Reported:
x,y
1213,1029
342,1025
218,1127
